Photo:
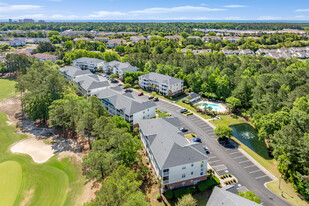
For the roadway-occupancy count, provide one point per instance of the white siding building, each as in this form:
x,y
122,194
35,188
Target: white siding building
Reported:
x,y
119,68
164,84
124,105
177,162
88,63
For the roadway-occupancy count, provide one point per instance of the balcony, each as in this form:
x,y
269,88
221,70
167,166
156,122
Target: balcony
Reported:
x,y
165,182
165,174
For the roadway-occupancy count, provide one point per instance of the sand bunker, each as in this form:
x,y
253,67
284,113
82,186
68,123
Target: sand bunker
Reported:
x,y
37,149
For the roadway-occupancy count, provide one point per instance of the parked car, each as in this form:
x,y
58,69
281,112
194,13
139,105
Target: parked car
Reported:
x,y
151,97
128,90
140,94
206,150
183,110
183,129
197,140
156,99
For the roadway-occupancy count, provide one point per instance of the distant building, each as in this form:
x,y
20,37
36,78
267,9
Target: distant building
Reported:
x,y
41,21
88,63
172,37
82,39
176,161
192,97
125,105
21,51
135,39
105,39
164,84
115,42
10,20
45,57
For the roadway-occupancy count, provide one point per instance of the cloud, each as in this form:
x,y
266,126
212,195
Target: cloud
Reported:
x,y
16,8
301,10
235,6
187,9
104,14
269,18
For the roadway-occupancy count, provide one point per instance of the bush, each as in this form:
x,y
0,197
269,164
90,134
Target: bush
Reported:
x,y
208,184
181,192
169,194
158,196
136,87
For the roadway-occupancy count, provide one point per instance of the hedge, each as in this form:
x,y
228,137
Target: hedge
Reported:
x,y
169,194
181,192
208,184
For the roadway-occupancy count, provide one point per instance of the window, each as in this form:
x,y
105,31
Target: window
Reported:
x,y
192,165
166,170
191,173
202,173
184,168
202,169
183,175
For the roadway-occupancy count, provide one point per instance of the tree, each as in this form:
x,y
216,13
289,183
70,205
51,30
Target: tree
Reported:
x,y
111,56
45,47
126,85
233,102
53,33
223,132
121,186
129,80
184,35
250,195
113,76
187,200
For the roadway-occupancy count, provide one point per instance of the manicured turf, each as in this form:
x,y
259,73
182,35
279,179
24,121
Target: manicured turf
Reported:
x,y
7,88
10,181
52,183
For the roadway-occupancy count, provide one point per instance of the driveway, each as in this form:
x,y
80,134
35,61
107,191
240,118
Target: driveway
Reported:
x,y
224,159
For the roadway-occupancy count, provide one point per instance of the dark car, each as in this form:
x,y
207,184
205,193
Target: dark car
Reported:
x,y
140,94
183,129
151,97
197,140
206,150
156,99
183,110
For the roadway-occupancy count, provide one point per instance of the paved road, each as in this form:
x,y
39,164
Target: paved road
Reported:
x,y
225,160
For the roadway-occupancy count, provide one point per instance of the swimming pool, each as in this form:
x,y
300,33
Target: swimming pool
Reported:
x,y
214,107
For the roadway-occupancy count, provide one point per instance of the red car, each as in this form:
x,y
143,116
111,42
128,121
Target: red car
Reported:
x,y
140,94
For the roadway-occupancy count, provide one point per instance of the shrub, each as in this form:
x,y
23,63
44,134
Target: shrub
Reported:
x,y
158,196
135,86
208,184
181,192
169,194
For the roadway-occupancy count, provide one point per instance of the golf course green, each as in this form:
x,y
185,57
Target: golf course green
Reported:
x,y
24,182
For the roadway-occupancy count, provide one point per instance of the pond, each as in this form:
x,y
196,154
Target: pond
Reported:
x,y
246,134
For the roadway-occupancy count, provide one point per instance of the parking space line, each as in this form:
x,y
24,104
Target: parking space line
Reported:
x,y
212,157
255,171
238,157
249,166
244,161
261,177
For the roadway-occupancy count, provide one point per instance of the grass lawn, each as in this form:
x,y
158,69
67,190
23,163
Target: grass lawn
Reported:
x,y
10,181
227,120
25,182
7,88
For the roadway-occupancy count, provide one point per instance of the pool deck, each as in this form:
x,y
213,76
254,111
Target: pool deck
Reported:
x,y
220,104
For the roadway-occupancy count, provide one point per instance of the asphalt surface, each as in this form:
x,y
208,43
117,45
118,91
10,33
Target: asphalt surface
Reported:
x,y
225,160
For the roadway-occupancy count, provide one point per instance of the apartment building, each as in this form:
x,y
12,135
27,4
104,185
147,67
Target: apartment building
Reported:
x,y
45,57
164,84
125,105
119,68
136,39
176,162
70,72
86,63
90,84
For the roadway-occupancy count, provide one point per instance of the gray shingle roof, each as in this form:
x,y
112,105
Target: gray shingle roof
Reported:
x,y
74,71
89,82
89,60
222,197
125,102
125,67
161,78
168,145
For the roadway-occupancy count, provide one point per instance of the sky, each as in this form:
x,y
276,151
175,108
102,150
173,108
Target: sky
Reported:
x,y
53,10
